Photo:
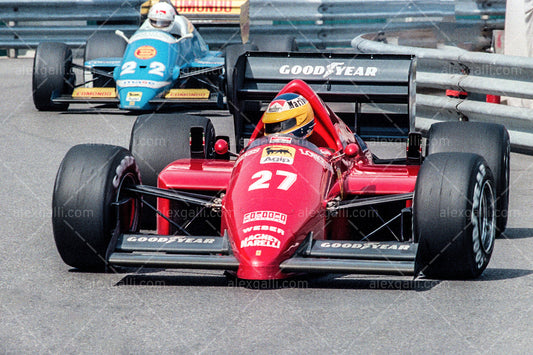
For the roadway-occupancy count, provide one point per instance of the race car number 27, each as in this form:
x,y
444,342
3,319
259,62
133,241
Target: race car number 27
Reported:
x,y
264,176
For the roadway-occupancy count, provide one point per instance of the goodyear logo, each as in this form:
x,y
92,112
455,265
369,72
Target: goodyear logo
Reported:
x,y
145,52
278,154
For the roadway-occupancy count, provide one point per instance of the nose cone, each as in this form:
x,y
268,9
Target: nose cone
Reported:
x,y
274,199
135,98
263,240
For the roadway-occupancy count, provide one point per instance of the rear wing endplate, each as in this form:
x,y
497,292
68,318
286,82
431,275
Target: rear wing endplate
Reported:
x,y
373,94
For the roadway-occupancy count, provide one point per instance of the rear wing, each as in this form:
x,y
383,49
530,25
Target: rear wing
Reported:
x,y
373,94
220,13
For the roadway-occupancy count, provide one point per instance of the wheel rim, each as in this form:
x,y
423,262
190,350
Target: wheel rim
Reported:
x,y
129,206
486,217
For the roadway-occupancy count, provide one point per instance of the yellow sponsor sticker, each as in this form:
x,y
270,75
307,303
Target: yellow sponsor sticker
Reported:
x,y
145,52
79,93
199,94
278,154
134,96
209,7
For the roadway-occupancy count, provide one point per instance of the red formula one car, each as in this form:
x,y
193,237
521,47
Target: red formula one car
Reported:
x,y
287,205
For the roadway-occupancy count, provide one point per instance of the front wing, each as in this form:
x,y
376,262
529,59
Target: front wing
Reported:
x,y
108,96
313,256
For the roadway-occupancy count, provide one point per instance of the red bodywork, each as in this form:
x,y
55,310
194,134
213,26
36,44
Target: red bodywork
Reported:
x,y
278,189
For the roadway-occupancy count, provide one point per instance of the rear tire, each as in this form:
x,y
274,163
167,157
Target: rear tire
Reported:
x,y
232,54
489,140
454,216
104,45
159,139
52,75
88,181
269,43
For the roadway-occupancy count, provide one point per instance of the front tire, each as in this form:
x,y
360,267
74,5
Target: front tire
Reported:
x,y
90,178
454,216
52,75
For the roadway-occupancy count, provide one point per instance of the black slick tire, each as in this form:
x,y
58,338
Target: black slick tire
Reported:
x,y
52,75
454,218
489,140
104,45
159,139
269,43
88,181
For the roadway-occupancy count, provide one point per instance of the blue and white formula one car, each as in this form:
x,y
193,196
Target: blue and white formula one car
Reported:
x,y
166,61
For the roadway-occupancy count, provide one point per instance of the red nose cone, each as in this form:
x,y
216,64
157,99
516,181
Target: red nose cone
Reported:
x,y
221,147
351,150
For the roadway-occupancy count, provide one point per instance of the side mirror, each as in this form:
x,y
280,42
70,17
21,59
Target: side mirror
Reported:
x,y
351,150
122,35
221,147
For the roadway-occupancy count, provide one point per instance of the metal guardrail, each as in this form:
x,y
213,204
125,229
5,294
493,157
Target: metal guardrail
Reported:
x,y
315,23
481,73
29,22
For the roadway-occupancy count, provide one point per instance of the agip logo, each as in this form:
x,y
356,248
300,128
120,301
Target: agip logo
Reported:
x,y
145,52
278,154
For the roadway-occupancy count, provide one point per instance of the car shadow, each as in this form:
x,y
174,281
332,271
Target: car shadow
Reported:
x,y
300,282
149,277
495,274
517,233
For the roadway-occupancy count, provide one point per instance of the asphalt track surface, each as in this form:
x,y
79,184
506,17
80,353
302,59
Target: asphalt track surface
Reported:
x,y
47,307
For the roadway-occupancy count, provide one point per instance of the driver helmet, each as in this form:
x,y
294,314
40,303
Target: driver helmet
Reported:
x,y
161,15
289,113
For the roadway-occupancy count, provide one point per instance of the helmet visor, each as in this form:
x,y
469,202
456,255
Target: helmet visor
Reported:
x,y
160,23
277,127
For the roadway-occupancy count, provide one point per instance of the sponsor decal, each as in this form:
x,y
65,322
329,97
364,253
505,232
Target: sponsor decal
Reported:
x,y
134,96
187,94
145,52
285,140
152,84
170,239
278,154
264,228
247,153
94,92
270,216
282,104
260,240
480,250
325,71
363,246
318,158
208,6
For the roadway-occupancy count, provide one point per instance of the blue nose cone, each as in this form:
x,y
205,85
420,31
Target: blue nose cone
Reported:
x,y
135,98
